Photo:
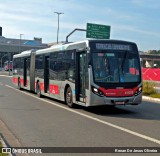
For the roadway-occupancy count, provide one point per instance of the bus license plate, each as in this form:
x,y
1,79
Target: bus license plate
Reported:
x,y
119,102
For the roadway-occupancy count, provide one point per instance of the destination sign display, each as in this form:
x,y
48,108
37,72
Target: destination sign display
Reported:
x,y
112,46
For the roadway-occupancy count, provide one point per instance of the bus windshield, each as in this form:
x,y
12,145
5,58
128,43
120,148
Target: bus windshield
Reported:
x,y
116,67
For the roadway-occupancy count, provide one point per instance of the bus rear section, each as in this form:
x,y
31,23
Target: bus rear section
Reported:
x,y
23,70
116,73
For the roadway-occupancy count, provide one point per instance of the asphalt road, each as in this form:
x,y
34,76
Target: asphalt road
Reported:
x,y
47,123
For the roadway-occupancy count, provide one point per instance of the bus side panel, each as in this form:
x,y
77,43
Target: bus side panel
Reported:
x,y
55,89
88,91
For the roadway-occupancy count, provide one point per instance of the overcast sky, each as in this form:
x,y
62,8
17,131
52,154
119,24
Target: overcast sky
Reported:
x,y
133,20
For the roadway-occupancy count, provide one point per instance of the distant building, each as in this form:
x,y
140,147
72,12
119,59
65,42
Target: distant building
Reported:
x,y
10,46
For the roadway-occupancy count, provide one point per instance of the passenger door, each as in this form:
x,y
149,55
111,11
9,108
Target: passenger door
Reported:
x,y
81,74
25,72
46,74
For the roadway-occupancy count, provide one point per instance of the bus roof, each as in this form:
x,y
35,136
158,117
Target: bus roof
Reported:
x,y
80,45
24,53
65,46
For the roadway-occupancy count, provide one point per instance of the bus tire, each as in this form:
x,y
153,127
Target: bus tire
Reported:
x,y
19,84
68,97
38,90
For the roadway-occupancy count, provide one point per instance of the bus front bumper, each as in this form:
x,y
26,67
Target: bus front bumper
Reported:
x,y
134,100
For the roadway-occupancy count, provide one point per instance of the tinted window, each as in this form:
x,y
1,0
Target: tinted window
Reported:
x,y
62,65
39,63
116,67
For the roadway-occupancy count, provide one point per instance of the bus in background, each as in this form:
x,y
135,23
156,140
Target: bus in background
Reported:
x,y
8,65
87,73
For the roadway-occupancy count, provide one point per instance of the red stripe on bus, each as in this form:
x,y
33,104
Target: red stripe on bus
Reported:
x,y
42,86
15,80
54,89
118,92
22,82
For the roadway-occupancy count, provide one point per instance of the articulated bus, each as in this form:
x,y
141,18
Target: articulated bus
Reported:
x,y
87,73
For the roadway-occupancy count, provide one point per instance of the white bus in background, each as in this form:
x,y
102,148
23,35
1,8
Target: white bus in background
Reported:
x,y
87,73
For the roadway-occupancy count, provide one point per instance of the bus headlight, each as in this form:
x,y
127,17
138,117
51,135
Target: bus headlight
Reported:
x,y
138,91
97,91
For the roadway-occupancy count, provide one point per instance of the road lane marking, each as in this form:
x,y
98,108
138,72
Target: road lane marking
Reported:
x,y
94,118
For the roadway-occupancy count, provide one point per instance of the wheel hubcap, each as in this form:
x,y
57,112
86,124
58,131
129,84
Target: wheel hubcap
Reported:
x,y
69,97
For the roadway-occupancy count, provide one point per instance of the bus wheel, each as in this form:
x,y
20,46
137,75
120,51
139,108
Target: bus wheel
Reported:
x,y
38,90
19,84
68,97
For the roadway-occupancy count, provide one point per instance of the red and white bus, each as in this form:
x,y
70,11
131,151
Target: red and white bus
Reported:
x,y
87,73
8,65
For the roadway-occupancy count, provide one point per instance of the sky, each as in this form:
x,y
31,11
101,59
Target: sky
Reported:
x,y
132,20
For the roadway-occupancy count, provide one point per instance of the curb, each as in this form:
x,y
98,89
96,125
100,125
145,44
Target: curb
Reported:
x,y
151,99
